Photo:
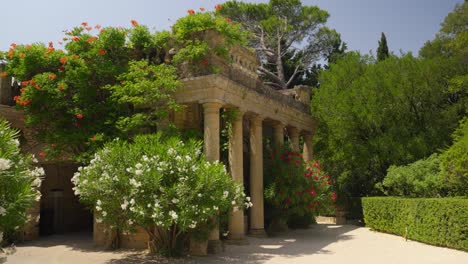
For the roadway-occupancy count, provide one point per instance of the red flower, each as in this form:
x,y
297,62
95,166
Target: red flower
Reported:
x,y
91,39
24,102
60,87
84,24
102,52
316,178
205,63
13,45
52,76
313,193
65,39
75,56
311,206
4,74
63,60
79,116
24,83
22,55
299,193
88,28
93,138
60,42
42,154
191,11
333,196
134,22
62,69
17,98
228,19
202,9
218,7
22,90
76,38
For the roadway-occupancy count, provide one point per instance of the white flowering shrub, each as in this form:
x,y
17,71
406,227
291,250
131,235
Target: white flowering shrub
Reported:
x,y
19,183
160,184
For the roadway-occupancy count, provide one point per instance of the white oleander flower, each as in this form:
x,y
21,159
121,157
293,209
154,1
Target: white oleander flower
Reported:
x,y
200,195
247,198
98,220
104,213
5,164
175,200
2,211
98,208
138,172
173,215
225,194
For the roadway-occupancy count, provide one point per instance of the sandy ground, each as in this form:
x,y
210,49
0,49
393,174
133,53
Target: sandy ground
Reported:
x,y
326,244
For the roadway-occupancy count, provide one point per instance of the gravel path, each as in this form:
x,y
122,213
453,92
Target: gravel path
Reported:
x,y
326,244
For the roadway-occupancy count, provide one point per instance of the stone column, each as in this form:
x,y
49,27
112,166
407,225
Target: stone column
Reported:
x,y
211,150
294,137
308,152
256,177
236,219
278,133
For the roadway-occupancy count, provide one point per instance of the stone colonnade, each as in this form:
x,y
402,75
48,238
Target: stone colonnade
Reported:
x,y
211,113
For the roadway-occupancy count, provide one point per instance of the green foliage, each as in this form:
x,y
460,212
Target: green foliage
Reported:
x,y
116,82
279,30
419,179
158,182
454,161
382,50
294,187
374,115
19,183
436,221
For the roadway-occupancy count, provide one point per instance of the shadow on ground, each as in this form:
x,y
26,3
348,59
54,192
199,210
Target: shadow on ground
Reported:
x,y
291,244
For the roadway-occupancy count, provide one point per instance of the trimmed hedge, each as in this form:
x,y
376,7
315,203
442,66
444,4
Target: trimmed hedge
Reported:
x,y
436,221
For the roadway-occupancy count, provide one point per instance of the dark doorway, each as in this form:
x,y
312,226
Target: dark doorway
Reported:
x,y
61,211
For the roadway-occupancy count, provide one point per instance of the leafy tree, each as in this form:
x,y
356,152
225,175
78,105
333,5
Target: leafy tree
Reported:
x,y
373,115
109,82
382,50
454,161
287,36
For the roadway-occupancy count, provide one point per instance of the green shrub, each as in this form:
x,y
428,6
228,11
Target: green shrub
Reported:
x,y
158,182
454,161
418,179
436,221
294,187
18,183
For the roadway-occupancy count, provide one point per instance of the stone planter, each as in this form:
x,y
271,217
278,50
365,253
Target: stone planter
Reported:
x,y
198,247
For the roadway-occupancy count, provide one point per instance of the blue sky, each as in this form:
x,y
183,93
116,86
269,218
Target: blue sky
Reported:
x,y
408,24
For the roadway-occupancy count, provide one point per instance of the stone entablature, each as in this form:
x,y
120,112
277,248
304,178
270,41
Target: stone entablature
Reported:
x,y
230,93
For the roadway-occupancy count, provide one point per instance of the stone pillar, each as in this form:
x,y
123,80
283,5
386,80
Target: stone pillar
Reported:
x,y
308,152
211,149
294,137
256,177
278,133
236,219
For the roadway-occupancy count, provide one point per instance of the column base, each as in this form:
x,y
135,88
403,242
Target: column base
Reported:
x,y
259,233
214,246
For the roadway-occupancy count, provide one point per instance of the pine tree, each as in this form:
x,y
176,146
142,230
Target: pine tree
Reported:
x,y
382,50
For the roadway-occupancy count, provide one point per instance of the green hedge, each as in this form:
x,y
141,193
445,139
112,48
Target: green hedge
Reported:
x,y
436,221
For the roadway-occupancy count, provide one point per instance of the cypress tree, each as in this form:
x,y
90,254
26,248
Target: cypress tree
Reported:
x,y
382,50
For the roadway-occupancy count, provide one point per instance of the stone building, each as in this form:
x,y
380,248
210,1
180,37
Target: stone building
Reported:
x,y
263,113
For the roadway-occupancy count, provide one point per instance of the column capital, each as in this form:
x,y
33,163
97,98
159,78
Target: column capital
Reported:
x,y
215,105
278,124
293,130
256,119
